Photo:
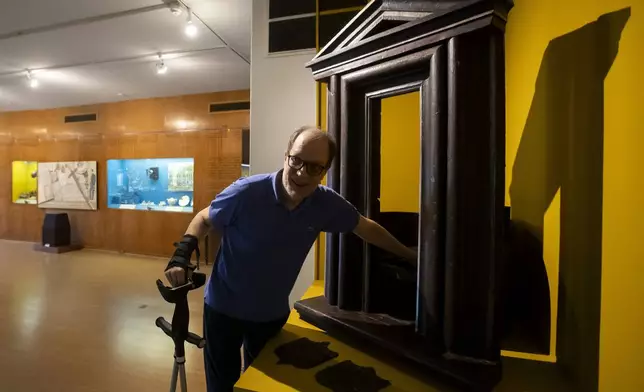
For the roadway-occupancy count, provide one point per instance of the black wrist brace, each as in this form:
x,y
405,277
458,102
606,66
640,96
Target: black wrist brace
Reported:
x,y
183,252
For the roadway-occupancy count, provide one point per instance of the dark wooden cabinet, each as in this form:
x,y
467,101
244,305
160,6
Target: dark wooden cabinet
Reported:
x,y
452,52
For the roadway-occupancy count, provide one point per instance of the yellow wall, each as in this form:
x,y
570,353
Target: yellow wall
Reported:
x,y
544,112
400,153
21,180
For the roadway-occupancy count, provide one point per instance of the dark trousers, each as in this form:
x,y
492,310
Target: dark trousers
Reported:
x,y
224,338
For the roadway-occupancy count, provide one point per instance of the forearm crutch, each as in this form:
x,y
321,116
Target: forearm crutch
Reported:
x,y
178,330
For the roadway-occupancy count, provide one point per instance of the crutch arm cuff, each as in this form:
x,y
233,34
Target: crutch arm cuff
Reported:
x,y
183,252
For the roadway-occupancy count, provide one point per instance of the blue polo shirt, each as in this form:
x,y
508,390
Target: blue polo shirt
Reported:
x,y
264,245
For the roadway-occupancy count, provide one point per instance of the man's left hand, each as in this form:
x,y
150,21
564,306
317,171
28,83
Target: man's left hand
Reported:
x,y
412,255
377,235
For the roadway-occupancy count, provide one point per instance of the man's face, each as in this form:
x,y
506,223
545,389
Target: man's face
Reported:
x,y
305,165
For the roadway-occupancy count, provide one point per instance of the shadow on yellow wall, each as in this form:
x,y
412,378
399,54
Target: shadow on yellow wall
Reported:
x,y
561,154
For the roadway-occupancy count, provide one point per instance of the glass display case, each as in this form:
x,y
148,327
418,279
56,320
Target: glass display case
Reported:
x,y
165,184
24,182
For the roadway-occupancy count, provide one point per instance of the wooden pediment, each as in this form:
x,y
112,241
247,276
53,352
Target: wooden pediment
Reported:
x,y
383,24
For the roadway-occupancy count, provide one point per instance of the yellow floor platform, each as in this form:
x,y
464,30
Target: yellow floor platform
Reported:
x,y
266,375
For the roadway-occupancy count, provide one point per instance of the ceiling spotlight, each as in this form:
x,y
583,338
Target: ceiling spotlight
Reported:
x,y
175,8
161,67
191,29
33,82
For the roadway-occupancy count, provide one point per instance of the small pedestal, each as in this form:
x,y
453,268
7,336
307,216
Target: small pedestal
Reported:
x,y
57,249
56,234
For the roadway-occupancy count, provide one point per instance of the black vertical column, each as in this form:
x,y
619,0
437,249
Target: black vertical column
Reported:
x,y
498,210
333,181
352,172
475,192
433,124
372,165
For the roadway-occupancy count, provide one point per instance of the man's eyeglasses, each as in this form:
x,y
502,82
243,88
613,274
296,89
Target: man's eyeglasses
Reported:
x,y
312,169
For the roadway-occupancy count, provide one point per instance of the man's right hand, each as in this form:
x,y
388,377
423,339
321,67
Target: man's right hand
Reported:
x,y
179,269
178,276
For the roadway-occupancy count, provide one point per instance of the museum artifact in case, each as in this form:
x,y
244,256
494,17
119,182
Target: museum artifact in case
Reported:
x,y
165,184
441,313
24,182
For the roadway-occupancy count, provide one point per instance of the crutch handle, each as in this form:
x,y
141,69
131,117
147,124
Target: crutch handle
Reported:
x,y
176,294
195,339
192,337
165,326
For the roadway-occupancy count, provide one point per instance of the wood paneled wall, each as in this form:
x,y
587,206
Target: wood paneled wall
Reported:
x,y
124,130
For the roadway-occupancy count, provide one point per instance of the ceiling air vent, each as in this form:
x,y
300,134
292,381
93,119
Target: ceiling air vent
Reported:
x,y
228,107
76,118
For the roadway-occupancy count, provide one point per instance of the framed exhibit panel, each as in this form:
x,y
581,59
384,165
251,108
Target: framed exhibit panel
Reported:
x,y
67,185
165,184
24,182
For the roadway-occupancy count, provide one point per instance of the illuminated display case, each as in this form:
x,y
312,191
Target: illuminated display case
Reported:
x,y
165,184
24,182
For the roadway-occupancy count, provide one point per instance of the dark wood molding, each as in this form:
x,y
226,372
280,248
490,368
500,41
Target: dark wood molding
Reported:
x,y
446,20
333,181
432,198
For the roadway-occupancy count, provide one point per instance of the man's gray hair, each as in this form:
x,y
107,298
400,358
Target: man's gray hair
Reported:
x,y
309,128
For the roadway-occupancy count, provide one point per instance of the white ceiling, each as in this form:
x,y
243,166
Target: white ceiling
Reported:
x,y
79,61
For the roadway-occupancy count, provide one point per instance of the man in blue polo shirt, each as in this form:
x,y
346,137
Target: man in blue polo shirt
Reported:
x,y
266,225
